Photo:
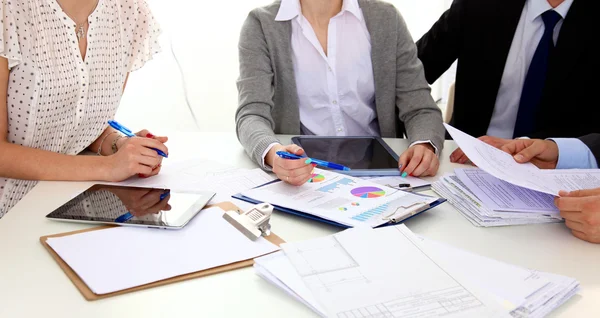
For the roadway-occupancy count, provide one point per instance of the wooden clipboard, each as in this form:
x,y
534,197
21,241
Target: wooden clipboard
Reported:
x,y
89,295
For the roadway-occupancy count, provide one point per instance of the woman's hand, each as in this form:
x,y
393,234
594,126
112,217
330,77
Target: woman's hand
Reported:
x,y
419,161
295,172
135,156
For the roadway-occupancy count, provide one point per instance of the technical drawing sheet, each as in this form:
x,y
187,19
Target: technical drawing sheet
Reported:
x,y
384,273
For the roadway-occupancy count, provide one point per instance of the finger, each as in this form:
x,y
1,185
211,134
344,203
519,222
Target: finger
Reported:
x,y
575,226
463,159
580,235
456,154
155,171
530,152
572,216
292,164
142,170
404,158
152,143
148,161
300,172
414,161
573,203
143,133
433,168
580,193
424,165
295,149
144,151
300,179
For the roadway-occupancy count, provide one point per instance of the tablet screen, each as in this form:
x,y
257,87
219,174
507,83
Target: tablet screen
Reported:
x,y
355,153
127,205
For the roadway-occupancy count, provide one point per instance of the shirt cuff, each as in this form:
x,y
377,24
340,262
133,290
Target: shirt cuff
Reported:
x,y
264,155
426,142
574,154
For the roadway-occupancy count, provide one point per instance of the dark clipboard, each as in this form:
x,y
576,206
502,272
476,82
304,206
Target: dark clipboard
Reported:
x,y
309,216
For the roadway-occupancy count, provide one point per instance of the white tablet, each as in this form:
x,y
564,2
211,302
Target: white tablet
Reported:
x,y
145,207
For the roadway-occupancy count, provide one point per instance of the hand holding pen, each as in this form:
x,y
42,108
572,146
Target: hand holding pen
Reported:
x,y
142,154
295,172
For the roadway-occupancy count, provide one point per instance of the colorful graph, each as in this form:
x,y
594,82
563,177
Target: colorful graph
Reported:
x,y
331,188
343,209
367,215
367,192
355,204
316,178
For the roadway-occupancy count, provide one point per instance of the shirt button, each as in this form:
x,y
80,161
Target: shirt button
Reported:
x,y
340,129
329,68
334,102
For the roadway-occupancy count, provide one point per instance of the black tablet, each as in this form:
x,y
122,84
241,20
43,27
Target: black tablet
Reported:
x,y
146,207
366,156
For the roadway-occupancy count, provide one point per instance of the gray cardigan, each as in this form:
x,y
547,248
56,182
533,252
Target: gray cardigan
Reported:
x,y
268,99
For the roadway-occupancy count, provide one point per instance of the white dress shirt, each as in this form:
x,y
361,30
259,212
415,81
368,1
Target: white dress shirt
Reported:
x,y
336,90
525,41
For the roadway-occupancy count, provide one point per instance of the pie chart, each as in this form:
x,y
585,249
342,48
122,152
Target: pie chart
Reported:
x,y
316,178
367,192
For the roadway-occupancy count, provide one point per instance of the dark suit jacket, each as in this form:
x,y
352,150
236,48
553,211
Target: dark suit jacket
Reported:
x,y
593,142
479,34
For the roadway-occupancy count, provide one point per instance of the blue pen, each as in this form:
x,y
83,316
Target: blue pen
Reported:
x,y
323,163
129,133
127,216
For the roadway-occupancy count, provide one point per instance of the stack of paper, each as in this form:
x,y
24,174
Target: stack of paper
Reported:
x,y
504,192
355,274
488,201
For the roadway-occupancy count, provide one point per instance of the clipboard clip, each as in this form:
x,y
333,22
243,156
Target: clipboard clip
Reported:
x,y
404,212
252,223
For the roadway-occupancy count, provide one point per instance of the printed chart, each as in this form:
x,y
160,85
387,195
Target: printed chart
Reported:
x,y
316,178
331,188
367,192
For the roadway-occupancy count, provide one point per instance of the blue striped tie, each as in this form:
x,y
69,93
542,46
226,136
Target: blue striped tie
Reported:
x,y
536,77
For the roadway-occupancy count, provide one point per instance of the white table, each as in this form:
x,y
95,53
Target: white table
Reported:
x,y
32,284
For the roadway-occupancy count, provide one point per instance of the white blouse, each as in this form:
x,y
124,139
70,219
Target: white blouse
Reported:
x,y
56,100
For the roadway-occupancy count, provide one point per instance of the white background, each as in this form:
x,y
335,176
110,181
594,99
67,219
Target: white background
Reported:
x,y
204,37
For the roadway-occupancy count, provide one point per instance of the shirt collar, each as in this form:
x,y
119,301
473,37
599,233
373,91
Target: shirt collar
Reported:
x,y
289,9
535,8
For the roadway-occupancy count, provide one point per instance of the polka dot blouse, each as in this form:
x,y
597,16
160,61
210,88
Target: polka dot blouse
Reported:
x,y
56,100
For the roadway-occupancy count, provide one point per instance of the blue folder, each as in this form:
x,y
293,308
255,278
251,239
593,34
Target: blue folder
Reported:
x,y
239,196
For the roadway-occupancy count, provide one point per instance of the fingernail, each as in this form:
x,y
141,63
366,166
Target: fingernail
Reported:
x,y
308,161
149,135
519,157
314,164
142,175
399,166
404,174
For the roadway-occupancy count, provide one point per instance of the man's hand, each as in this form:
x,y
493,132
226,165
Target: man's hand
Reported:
x,y
581,211
458,156
542,153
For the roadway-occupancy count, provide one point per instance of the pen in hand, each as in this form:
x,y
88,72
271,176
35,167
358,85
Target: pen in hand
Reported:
x,y
127,132
323,163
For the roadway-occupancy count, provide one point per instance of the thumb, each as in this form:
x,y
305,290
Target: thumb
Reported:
x,y
529,153
295,149
581,193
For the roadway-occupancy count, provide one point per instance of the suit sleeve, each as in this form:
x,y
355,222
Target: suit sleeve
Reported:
x,y
440,46
592,141
416,108
254,122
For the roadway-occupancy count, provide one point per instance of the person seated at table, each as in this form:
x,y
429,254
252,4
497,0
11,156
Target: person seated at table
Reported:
x,y
63,67
332,68
580,209
520,64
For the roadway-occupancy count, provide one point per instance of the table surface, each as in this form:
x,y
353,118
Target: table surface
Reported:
x,y
32,284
